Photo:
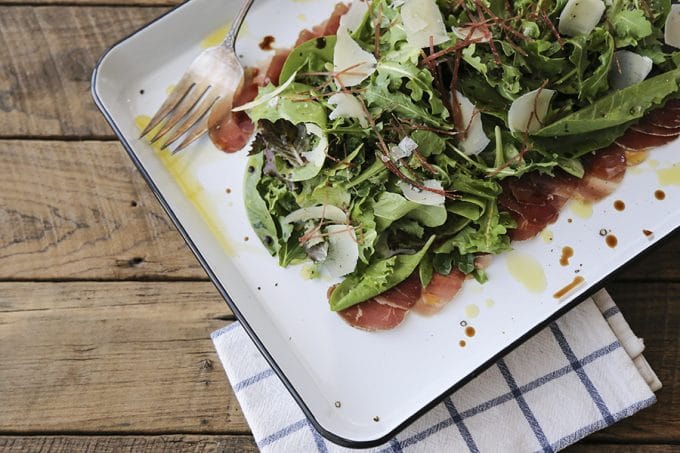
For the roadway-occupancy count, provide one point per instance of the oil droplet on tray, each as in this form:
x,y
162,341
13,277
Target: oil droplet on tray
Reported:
x,y
653,163
611,241
636,157
489,303
470,331
582,209
547,236
471,311
527,271
619,205
301,17
660,195
578,281
567,253
669,176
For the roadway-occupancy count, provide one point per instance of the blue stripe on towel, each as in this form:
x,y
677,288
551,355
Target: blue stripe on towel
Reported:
x,y
460,424
253,379
581,373
524,407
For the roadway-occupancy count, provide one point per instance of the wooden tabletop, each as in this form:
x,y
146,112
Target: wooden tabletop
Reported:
x,y
105,315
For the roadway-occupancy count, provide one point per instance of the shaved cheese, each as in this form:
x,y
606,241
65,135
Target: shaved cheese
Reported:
x,y
528,111
475,139
326,211
478,34
343,250
408,144
421,196
422,21
672,28
352,19
579,17
347,106
396,152
351,58
628,68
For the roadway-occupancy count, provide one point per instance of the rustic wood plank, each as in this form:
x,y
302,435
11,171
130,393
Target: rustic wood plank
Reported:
x,y
113,357
81,210
131,357
115,444
46,59
653,312
621,448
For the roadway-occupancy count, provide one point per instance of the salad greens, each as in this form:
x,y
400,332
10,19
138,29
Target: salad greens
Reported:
x,y
394,165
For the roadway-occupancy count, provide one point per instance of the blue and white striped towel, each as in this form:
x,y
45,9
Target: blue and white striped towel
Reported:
x,y
579,375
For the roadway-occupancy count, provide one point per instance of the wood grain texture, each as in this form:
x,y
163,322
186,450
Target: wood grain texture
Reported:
x,y
46,59
621,448
80,210
130,444
113,357
127,357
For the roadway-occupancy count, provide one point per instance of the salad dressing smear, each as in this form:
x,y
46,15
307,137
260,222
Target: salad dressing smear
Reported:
x,y
401,145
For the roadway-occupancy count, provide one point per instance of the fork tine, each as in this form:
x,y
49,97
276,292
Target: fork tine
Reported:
x,y
196,115
197,132
183,108
178,94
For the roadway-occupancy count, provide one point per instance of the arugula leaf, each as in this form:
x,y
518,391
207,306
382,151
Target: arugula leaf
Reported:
x,y
256,208
630,26
376,279
617,108
311,56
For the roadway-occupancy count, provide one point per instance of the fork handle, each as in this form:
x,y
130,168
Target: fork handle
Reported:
x,y
230,41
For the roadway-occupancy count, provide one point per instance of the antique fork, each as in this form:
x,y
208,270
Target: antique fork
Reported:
x,y
212,80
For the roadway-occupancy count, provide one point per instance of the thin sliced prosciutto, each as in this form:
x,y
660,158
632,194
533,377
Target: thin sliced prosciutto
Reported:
x,y
439,292
535,200
387,310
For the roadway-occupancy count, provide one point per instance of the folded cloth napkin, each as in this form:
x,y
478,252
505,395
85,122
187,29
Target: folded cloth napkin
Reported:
x,y
582,373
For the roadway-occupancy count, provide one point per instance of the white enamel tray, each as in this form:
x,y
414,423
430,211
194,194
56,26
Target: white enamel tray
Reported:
x,y
382,380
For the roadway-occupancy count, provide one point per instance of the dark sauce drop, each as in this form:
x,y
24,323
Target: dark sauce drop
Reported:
x,y
619,205
470,331
567,253
266,43
660,195
647,233
462,343
612,241
321,43
567,289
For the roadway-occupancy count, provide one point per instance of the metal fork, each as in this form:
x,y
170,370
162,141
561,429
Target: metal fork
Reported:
x,y
213,78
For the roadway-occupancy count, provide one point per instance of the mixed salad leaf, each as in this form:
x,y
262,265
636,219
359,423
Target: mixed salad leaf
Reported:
x,y
382,150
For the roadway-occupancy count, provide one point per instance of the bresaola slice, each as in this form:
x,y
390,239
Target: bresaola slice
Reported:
x,y
387,310
604,172
439,292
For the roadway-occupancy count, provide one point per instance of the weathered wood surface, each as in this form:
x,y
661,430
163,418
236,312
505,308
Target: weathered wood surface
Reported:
x,y
46,59
133,444
135,357
80,210
84,349
113,357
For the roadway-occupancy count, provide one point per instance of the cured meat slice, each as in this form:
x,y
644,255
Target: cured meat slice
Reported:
x,y
372,315
404,296
635,140
535,200
605,170
439,292
664,117
233,132
387,310
326,28
646,127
